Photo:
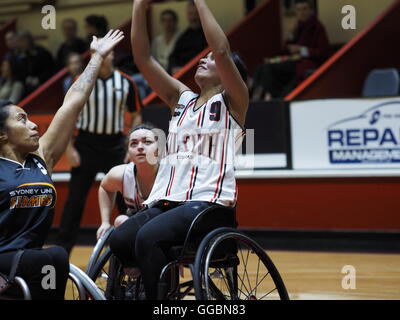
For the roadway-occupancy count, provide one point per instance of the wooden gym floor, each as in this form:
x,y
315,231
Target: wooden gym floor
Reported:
x,y
318,275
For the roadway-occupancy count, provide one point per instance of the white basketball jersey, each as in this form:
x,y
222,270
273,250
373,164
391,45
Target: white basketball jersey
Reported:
x,y
130,190
198,161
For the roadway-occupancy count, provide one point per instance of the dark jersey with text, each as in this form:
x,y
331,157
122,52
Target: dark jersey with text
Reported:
x,y
27,200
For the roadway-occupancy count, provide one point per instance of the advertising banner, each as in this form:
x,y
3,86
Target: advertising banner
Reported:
x,y
346,133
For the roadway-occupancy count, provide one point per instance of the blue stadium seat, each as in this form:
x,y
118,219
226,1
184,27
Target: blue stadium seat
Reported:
x,y
382,83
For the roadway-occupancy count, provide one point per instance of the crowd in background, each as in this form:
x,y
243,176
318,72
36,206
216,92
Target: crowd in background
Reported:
x,y
27,65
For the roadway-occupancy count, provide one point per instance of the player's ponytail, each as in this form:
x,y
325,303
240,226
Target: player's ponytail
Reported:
x,y
240,65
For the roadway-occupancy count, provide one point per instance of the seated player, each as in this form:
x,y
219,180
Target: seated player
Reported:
x,y
134,180
27,193
197,169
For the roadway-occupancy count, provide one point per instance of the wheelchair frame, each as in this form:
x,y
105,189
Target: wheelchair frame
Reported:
x,y
85,286
202,233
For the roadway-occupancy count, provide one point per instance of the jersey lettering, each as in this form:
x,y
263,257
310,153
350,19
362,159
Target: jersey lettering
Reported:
x,y
40,166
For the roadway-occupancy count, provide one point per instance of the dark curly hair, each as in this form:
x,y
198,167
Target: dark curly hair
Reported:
x,y
4,113
99,22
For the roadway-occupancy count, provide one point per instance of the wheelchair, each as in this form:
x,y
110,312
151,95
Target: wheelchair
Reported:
x,y
224,264
80,286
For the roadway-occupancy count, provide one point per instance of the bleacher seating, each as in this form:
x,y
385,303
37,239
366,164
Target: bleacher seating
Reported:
x,y
382,83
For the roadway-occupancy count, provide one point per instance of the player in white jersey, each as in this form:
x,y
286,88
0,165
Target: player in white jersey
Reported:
x,y
196,168
134,180
198,162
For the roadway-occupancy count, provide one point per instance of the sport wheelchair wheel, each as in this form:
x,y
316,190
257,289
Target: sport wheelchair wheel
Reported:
x,y
81,287
222,269
99,249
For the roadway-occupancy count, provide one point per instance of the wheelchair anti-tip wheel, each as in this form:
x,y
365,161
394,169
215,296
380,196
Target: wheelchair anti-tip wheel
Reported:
x,y
223,272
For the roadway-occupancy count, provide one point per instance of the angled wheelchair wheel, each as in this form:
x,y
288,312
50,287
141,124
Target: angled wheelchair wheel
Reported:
x,y
231,266
109,277
81,287
102,271
99,249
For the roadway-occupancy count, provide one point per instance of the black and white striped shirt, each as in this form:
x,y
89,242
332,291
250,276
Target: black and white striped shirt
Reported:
x,y
104,111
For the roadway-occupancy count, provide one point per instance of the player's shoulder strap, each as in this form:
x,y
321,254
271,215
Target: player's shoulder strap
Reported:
x,y
186,97
128,177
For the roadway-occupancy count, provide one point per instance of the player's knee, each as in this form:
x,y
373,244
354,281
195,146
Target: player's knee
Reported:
x,y
60,258
117,242
120,220
143,244
32,262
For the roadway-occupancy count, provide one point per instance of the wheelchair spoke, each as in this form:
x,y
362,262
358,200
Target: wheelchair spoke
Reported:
x,y
256,286
243,285
268,293
241,292
258,270
245,267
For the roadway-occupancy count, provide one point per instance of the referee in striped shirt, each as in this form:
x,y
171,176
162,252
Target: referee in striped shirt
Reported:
x,y
100,143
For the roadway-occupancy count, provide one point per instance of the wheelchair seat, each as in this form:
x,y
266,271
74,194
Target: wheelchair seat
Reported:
x,y
214,217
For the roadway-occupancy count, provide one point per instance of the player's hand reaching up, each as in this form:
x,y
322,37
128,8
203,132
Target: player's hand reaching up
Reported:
x,y
103,46
146,2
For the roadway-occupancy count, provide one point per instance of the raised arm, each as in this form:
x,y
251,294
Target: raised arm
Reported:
x,y
167,87
235,88
54,142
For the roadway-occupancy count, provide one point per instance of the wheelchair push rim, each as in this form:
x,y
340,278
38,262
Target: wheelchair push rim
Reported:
x,y
85,287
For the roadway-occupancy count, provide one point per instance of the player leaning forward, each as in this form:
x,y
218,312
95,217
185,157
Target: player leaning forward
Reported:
x,y
196,170
27,193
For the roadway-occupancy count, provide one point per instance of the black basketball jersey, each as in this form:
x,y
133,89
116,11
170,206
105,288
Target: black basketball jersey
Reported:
x,y
27,200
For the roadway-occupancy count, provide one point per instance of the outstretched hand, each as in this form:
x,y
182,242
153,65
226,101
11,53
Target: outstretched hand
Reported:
x,y
103,46
147,3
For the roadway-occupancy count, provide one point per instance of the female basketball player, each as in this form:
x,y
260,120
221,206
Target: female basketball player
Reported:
x,y
196,169
27,193
134,180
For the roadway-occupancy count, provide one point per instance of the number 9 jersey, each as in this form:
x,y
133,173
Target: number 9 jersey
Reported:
x,y
198,161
